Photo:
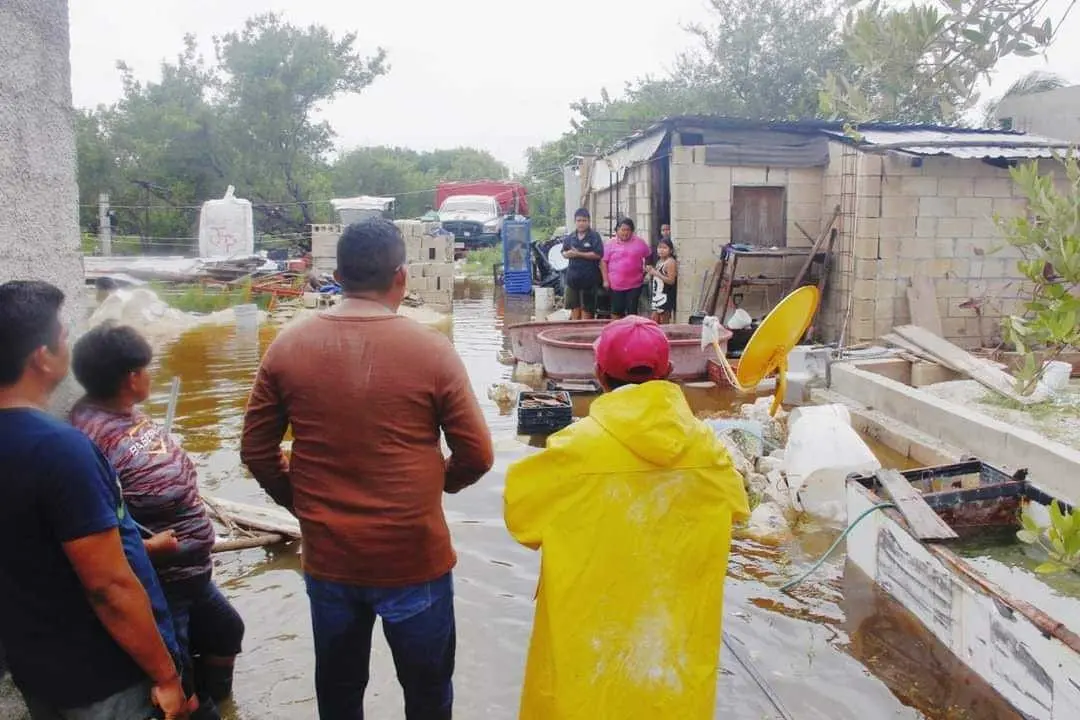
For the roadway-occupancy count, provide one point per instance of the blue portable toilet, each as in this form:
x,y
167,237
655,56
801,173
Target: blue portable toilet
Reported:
x,y
517,256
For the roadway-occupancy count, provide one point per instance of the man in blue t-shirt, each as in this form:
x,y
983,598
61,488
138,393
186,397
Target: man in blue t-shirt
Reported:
x,y
83,621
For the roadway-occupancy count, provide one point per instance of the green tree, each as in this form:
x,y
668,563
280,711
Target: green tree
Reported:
x,y
1048,238
273,77
923,62
410,176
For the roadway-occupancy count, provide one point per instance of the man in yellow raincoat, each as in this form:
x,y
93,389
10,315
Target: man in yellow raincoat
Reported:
x,y
632,508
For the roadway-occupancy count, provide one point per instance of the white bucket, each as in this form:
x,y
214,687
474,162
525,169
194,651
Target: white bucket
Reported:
x,y
247,317
1056,375
545,298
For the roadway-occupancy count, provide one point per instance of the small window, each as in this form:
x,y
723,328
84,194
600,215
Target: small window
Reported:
x,y
1005,123
758,216
693,139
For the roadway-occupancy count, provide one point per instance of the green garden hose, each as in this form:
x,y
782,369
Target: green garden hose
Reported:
x,y
813,568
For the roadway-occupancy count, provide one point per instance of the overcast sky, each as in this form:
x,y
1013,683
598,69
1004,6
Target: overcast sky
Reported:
x,y
494,74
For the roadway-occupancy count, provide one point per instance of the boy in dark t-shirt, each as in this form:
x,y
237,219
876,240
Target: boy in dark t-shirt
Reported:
x,y
83,621
584,248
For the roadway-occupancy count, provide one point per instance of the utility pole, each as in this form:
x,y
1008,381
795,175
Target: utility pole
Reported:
x,y
104,224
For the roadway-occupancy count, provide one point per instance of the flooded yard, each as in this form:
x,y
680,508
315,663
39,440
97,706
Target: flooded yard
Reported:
x,y
837,650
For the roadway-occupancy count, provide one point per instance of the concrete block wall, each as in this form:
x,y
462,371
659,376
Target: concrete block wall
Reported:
x,y
936,221
430,258
701,221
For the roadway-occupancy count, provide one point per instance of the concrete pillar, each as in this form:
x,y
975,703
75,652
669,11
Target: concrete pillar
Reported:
x,y
39,198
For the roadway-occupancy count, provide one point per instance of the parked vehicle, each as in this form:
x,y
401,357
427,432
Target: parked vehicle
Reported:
x,y
474,211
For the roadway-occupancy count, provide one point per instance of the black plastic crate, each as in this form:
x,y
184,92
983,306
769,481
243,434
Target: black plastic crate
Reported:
x,y
534,418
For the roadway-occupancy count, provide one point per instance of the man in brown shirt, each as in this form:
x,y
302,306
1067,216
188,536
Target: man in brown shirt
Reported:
x,y
367,393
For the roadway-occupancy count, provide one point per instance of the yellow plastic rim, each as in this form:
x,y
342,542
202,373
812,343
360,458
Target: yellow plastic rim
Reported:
x,y
778,334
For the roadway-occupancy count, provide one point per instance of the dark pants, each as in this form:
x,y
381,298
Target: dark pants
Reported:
x,y
625,302
206,623
418,622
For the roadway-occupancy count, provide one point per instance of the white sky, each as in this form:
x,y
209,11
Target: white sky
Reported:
x,y
493,74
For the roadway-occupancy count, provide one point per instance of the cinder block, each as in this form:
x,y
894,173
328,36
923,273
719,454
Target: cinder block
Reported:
x,y
926,227
902,226
956,187
954,227
974,208
941,207
1011,207
899,207
993,188
889,247
919,186
748,176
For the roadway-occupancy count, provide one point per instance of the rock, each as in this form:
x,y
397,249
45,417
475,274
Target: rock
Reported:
x,y
774,429
776,489
743,466
767,464
749,444
756,483
768,524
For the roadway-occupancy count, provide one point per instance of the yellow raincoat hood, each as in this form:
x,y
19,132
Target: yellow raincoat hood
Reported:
x,y
632,508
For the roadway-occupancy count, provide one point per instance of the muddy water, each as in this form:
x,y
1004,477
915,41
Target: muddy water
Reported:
x,y
837,650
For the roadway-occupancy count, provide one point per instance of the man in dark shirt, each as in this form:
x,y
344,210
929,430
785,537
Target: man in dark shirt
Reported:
x,y
584,248
83,620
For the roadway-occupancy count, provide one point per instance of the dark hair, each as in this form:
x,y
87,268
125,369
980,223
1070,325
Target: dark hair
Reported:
x,y
670,245
106,283
627,222
369,252
104,357
29,319
581,213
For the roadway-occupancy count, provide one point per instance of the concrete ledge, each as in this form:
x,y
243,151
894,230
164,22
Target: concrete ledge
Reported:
x,y
1052,466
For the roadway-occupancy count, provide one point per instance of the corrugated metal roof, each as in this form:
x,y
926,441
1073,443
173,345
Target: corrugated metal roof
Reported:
x,y
611,169
916,139
956,142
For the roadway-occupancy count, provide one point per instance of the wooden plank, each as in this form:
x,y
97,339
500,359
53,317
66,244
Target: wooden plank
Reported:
x,y
922,299
826,234
921,518
964,362
248,542
262,519
910,347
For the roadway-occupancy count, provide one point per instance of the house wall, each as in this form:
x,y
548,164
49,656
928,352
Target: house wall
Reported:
x,y
1053,114
932,221
701,222
39,227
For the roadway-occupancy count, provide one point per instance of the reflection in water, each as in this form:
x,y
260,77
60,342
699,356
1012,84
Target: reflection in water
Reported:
x,y
814,648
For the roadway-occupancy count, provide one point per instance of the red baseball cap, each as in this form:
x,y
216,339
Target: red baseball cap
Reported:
x,y
633,349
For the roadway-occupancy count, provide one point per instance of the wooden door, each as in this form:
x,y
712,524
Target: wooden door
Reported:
x,y
758,216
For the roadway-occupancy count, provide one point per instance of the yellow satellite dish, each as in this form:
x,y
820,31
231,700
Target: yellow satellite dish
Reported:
x,y
767,351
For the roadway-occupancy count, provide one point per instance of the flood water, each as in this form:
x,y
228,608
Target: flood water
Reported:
x,y
837,650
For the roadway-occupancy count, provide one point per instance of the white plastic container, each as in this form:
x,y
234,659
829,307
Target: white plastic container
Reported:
x,y
822,450
545,298
226,227
1056,375
247,317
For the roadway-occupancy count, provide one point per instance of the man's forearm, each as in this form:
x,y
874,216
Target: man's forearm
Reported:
x,y
123,607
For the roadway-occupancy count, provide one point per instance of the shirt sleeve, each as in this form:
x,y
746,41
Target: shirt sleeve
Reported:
x,y
567,244
265,423
538,488
80,494
471,451
607,250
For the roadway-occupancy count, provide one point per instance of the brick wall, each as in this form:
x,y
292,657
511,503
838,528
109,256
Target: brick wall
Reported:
x,y
931,221
701,221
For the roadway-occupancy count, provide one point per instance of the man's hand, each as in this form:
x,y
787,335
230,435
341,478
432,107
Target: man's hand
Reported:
x,y
164,543
571,253
172,700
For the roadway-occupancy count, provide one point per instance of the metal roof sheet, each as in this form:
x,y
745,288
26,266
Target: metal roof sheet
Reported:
x,y
961,143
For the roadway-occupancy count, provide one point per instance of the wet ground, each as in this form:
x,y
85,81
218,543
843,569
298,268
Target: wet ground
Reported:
x,y
837,650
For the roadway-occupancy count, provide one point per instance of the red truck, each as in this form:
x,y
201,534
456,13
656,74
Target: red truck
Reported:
x,y
473,210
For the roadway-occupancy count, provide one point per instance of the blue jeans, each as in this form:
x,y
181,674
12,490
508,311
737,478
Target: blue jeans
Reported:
x,y
418,622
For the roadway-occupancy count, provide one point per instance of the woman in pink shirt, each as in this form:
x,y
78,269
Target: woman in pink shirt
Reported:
x,y
623,269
